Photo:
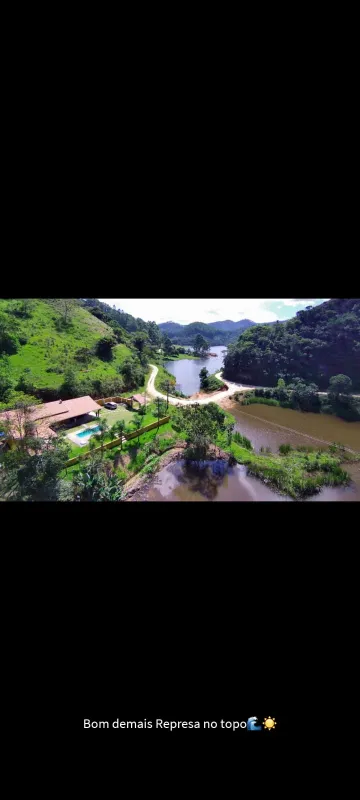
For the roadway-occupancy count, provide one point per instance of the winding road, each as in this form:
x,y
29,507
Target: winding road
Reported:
x,y
214,398
178,401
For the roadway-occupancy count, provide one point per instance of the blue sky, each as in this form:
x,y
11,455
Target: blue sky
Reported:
x,y
211,310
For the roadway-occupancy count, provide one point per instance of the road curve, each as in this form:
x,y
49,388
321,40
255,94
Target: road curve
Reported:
x,y
216,398
175,401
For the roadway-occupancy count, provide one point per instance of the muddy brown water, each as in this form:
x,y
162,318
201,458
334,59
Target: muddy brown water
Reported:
x,y
271,426
265,426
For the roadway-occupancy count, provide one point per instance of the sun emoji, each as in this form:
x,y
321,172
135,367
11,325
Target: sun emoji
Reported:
x,y
269,723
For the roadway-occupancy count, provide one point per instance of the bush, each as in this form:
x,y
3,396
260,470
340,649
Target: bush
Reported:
x,y
104,347
242,440
266,401
284,449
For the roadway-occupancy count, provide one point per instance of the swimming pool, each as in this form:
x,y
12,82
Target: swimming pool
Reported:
x,y
87,432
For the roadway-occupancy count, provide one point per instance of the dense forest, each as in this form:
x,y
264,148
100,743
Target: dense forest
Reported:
x,y
216,333
317,344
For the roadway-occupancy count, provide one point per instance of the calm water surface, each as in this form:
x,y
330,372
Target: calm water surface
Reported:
x,y
216,481
270,426
187,371
265,426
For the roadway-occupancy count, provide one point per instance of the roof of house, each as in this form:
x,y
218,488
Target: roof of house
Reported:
x,y
139,399
48,414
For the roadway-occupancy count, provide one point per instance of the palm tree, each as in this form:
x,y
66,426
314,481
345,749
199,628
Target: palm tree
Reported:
x,y
138,424
113,432
158,407
120,427
102,434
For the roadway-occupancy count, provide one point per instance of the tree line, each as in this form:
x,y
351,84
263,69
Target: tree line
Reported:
x,y
319,343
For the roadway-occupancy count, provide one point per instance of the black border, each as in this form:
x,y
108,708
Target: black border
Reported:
x,y
190,622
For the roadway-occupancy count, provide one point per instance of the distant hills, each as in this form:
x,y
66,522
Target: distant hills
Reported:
x,y
216,333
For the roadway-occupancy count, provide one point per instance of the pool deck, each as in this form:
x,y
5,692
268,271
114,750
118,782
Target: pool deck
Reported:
x,y
81,442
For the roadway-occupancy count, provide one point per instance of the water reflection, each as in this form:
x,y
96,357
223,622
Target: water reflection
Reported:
x,y
214,481
187,371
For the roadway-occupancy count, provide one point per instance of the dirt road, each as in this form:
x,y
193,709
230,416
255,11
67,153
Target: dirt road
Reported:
x,y
175,401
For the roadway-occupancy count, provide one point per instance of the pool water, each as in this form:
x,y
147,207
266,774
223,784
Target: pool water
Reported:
x,y
88,432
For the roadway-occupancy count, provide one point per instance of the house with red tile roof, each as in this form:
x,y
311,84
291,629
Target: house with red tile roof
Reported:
x,y
46,416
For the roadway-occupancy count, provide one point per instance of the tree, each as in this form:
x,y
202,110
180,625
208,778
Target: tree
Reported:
x,y
102,435
229,431
92,484
9,342
70,385
6,381
340,384
67,308
154,334
200,430
167,388
137,424
83,354
204,379
33,467
104,347
132,373
120,428
201,346
140,340
158,405
167,344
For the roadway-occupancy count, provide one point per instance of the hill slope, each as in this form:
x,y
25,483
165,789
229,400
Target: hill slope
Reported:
x,y
315,345
45,348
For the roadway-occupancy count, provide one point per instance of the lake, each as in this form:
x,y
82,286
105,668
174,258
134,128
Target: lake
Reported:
x,y
218,482
271,426
265,426
187,371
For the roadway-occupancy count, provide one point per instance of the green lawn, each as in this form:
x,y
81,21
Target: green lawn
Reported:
x,y
112,417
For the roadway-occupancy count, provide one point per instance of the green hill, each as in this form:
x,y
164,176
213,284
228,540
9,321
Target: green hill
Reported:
x,y
44,343
317,344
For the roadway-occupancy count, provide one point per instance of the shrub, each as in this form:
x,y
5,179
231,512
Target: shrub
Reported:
x,y
284,449
266,401
242,440
104,347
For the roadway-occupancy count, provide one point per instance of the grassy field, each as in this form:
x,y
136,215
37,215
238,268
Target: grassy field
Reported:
x,y
162,376
46,350
179,357
112,417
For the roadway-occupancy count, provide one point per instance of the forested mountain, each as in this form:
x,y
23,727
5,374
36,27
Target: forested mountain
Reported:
x,y
215,333
229,325
318,343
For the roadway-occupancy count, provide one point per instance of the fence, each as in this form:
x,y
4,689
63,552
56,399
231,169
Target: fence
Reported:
x,y
117,442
